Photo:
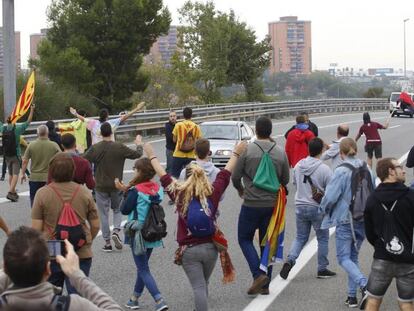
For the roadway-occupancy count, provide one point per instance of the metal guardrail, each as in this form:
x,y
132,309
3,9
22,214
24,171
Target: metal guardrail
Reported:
x,y
151,121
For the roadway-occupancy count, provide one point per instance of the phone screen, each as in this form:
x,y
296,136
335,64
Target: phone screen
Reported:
x,y
55,248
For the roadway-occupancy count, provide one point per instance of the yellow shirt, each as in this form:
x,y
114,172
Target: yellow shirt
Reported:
x,y
179,132
78,129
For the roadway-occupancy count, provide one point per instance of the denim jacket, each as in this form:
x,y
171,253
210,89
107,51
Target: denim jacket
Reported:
x,y
335,203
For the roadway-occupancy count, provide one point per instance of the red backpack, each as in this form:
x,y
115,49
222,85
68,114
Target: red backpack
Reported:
x,y
69,226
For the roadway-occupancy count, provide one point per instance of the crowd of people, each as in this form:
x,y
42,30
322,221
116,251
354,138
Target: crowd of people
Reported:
x,y
73,190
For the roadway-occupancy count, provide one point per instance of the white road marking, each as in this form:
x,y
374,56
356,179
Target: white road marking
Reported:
x,y
112,228
277,285
393,127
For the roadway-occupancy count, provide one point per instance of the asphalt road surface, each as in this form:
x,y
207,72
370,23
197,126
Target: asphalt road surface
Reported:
x,y
115,272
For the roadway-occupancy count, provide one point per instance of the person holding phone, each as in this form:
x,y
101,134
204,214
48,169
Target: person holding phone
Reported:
x,y
47,209
27,267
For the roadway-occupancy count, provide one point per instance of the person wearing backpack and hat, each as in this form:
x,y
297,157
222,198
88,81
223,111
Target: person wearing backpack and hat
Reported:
x,y
389,226
343,211
185,134
258,204
140,194
199,240
65,198
12,151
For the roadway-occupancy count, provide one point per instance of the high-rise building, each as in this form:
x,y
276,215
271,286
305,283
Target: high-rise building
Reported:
x,y
17,47
34,42
291,44
164,48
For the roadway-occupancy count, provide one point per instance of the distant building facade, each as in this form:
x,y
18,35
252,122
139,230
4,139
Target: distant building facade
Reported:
x,y
18,52
35,39
291,43
164,48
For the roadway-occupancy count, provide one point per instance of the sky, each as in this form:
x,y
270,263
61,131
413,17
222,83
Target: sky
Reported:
x,y
353,33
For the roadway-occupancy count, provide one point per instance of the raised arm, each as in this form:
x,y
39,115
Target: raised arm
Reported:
x,y
238,150
149,151
30,118
135,110
76,114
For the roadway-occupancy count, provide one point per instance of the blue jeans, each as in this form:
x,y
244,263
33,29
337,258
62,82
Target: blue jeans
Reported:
x,y
307,217
178,164
144,276
57,277
250,219
169,157
347,251
33,187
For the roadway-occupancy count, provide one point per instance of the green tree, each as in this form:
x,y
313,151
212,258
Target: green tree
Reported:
x,y
96,47
374,92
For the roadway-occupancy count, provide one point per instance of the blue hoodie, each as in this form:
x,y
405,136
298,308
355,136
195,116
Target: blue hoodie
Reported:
x,y
338,195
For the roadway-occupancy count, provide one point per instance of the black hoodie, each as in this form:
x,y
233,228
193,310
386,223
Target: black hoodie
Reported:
x,y
387,194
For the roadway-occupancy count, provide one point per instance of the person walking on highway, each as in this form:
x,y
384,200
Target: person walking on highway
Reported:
x,y
312,126
140,193
389,226
109,158
39,152
258,204
79,130
53,135
48,206
332,152
373,142
197,251
297,141
310,176
83,171
350,233
169,139
95,125
185,134
11,134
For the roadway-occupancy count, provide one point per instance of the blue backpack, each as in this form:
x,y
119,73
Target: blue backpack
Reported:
x,y
198,222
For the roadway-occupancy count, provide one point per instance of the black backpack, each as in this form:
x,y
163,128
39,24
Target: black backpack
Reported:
x,y
397,242
9,141
361,188
155,227
58,303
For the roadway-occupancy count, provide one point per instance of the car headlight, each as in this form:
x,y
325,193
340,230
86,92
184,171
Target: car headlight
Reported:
x,y
223,153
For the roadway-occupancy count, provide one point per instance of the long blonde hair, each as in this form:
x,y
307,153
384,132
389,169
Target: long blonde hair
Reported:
x,y
196,186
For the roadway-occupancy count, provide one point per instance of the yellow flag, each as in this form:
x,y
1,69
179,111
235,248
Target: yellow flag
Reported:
x,y
25,100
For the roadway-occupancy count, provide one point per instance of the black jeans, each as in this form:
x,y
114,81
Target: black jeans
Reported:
x,y
33,187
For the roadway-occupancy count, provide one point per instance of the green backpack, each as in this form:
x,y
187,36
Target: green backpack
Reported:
x,y
265,177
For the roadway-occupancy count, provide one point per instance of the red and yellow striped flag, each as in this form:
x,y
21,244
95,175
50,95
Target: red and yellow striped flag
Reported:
x,y
25,100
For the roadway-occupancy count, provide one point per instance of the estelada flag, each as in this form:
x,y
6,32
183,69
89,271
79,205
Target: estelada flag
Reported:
x,y
25,100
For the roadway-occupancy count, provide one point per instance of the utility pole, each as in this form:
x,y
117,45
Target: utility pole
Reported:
x,y
405,53
9,58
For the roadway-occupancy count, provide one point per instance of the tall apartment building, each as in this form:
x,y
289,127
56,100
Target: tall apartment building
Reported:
x,y
17,47
291,45
34,42
164,48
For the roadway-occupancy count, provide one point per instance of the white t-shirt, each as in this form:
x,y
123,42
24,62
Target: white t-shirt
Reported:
x,y
95,127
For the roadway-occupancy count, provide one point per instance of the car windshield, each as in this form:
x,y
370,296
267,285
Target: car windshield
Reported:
x,y
394,97
226,132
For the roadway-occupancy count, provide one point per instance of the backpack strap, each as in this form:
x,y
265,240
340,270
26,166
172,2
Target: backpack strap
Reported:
x,y
60,196
392,207
60,303
262,148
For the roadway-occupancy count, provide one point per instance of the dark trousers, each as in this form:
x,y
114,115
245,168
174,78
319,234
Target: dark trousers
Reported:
x,y
57,277
169,156
250,219
178,164
33,187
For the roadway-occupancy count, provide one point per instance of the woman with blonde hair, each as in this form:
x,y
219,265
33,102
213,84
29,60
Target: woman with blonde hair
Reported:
x,y
350,231
197,251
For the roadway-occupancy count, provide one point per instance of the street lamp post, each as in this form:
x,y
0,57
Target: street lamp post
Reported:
x,y
405,53
9,60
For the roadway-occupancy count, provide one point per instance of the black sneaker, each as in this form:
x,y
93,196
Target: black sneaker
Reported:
x,y
117,240
107,248
284,273
14,197
351,302
364,298
325,274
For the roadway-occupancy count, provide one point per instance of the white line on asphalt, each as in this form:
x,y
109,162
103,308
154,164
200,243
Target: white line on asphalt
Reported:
x,y
277,285
112,228
393,127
